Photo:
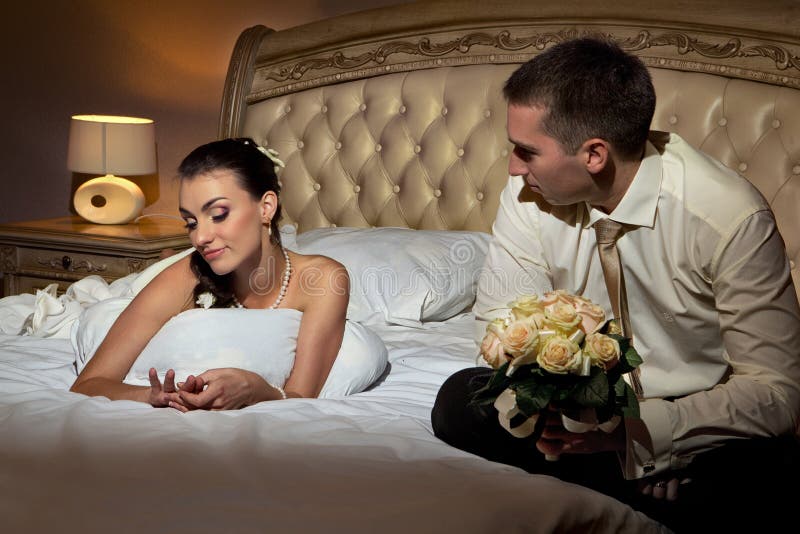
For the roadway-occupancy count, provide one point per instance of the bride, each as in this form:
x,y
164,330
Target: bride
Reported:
x,y
229,201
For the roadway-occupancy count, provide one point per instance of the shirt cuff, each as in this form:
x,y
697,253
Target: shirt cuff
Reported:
x,y
648,448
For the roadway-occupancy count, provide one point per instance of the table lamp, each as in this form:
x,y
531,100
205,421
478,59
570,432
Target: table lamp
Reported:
x,y
110,145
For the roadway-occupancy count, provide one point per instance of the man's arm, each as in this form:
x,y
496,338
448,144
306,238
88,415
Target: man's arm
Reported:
x,y
760,327
515,263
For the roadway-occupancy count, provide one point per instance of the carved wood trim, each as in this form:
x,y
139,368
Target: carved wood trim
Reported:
x,y
766,61
66,263
8,259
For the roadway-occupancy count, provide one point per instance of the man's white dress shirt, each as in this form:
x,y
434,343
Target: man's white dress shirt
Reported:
x,y
712,306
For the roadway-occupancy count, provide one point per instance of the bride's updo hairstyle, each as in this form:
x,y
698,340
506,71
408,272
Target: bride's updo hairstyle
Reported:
x,y
255,173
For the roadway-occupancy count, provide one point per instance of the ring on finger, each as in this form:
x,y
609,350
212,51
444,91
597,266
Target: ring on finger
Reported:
x,y
661,484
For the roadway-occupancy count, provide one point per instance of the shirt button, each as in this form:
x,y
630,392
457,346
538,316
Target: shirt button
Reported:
x,y
317,187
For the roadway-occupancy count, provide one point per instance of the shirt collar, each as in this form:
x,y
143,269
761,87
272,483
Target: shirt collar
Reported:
x,y
638,205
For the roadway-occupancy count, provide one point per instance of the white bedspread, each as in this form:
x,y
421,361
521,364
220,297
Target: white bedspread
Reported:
x,y
366,463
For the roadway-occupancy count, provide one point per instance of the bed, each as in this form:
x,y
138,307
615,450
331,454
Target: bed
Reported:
x,y
389,120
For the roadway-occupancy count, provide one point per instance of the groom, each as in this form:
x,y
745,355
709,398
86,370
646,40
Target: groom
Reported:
x,y
710,300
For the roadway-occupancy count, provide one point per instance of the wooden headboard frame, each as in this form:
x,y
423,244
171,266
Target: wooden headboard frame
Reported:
x,y
727,76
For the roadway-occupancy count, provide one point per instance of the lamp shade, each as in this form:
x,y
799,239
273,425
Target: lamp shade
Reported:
x,y
104,144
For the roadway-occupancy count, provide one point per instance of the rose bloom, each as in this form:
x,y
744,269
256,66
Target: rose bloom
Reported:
x,y
562,316
526,306
492,350
521,338
602,350
591,314
559,295
561,356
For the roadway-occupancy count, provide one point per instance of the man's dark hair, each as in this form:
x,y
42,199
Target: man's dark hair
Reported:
x,y
590,88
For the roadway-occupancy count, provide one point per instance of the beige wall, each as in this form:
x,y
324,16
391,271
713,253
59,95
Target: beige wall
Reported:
x,y
161,59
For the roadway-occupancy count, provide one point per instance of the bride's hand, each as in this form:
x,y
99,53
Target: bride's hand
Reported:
x,y
228,389
166,394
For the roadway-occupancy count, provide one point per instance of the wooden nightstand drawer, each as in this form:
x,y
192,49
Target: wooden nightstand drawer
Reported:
x,y
30,284
63,250
73,264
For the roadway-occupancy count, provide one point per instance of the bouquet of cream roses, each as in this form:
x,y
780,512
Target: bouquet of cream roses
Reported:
x,y
558,351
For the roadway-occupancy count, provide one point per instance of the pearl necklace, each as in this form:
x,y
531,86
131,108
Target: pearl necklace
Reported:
x,y
287,275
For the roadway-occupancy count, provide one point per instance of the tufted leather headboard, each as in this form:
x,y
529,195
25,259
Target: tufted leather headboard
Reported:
x,y
394,116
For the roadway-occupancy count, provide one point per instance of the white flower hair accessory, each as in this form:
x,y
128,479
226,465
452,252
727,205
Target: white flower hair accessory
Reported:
x,y
273,156
206,300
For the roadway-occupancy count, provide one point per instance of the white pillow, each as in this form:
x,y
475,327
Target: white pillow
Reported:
x,y
403,276
262,341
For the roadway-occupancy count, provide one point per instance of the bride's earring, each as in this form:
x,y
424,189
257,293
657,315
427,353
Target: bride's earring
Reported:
x,y
269,228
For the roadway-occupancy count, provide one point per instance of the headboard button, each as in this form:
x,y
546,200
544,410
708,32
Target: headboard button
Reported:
x,y
723,121
356,188
673,120
776,123
363,107
460,152
437,193
317,187
479,196
796,169
791,264
743,167
417,149
396,189
338,145
300,144
378,147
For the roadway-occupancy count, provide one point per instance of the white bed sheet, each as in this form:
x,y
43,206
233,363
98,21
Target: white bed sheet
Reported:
x,y
365,463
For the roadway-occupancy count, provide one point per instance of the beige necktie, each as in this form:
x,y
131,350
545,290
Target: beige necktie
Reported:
x,y
607,232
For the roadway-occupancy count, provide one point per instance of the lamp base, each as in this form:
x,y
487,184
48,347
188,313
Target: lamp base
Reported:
x,y
109,199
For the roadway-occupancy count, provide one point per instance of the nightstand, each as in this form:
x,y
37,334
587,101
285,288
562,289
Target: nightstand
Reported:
x,y
34,254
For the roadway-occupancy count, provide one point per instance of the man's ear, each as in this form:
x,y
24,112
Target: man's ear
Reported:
x,y
595,154
268,206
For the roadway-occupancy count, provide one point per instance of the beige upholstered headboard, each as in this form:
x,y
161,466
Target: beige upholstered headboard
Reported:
x,y
394,116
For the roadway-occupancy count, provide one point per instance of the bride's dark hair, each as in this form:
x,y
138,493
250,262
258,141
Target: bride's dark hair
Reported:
x,y
255,173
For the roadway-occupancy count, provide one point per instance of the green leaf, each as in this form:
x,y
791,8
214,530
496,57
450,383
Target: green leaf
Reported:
x,y
592,392
533,395
632,357
489,392
631,407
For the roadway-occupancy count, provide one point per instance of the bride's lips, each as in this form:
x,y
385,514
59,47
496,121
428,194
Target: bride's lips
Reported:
x,y
212,254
